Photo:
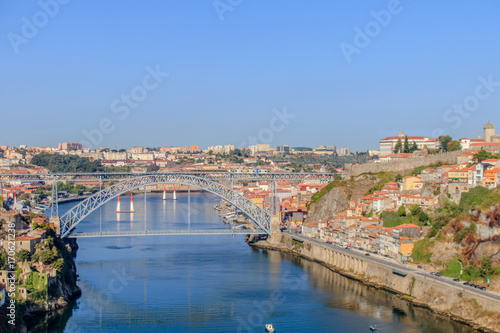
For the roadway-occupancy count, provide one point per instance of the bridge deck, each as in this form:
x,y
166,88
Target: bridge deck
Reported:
x,y
167,233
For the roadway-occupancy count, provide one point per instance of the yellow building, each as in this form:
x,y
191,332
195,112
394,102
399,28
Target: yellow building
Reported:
x,y
458,175
412,183
405,246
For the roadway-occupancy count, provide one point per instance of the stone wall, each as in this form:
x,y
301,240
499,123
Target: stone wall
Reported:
x,y
427,291
401,166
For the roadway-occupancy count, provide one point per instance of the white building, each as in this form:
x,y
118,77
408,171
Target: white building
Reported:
x,y
387,144
115,156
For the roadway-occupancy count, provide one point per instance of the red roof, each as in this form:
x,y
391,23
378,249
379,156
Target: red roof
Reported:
x,y
485,144
25,238
409,138
407,226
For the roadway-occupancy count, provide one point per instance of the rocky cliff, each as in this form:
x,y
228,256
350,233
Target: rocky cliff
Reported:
x,y
329,205
337,199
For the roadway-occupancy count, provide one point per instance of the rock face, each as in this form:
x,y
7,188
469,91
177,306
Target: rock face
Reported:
x,y
338,198
490,249
329,205
60,285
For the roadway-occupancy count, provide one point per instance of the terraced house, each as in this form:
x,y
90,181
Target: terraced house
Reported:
x,y
491,177
458,175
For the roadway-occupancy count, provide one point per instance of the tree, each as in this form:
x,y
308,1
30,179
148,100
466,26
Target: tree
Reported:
x,y
399,177
415,210
445,139
486,267
22,256
24,196
413,147
407,145
402,211
454,146
423,217
45,257
398,147
482,155
3,259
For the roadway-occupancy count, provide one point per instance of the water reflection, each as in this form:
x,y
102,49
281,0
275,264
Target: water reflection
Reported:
x,y
217,283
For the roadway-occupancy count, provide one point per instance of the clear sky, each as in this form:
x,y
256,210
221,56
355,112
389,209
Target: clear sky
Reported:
x,y
347,72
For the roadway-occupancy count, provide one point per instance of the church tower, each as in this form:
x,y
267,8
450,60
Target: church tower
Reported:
x,y
489,132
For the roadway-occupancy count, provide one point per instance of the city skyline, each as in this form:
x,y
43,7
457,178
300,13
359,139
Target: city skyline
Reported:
x,y
347,74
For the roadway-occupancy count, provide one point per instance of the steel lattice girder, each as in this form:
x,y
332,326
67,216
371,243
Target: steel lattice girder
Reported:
x,y
71,219
107,176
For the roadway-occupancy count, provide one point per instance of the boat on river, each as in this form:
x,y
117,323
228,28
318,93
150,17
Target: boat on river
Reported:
x,y
269,328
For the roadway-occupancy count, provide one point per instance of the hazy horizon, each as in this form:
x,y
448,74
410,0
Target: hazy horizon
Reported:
x,y
178,73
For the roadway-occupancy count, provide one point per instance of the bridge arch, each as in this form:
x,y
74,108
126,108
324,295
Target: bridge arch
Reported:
x,y
74,216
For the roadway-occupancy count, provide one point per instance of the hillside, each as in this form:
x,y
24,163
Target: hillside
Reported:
x,y
335,197
465,237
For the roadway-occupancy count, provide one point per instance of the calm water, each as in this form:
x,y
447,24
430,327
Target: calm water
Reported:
x,y
215,283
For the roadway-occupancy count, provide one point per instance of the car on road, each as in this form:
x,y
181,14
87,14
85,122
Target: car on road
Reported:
x,y
456,280
438,274
482,288
328,242
472,285
433,273
466,283
385,255
367,254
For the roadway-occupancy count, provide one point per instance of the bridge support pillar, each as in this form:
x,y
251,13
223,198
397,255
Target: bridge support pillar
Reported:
x,y
56,223
275,229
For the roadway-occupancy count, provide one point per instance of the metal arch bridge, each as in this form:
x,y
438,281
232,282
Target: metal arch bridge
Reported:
x,y
131,181
71,219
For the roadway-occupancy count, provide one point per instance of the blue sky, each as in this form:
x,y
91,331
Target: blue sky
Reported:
x,y
226,76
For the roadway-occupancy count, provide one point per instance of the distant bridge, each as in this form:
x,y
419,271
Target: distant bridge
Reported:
x,y
117,176
130,181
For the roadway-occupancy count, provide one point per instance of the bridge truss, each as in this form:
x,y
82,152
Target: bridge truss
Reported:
x,y
127,181
74,216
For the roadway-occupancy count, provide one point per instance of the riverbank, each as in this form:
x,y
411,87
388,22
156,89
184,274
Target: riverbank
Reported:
x,y
459,304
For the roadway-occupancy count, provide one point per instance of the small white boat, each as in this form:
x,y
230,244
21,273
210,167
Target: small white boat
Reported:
x,y
373,327
269,328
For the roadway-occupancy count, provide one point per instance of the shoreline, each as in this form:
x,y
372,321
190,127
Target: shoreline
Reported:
x,y
264,245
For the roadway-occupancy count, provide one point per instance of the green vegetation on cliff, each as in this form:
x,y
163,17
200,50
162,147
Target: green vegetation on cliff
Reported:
x,y
422,252
36,273
479,198
337,181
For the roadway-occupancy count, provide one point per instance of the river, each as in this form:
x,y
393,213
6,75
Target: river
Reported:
x,y
215,283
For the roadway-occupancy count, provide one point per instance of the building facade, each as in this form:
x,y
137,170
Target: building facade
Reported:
x,y
387,144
